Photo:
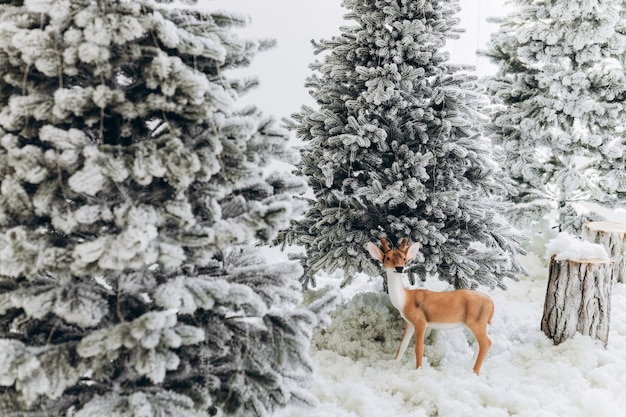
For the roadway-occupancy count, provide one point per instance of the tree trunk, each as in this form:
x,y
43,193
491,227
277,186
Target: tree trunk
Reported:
x,y
613,237
578,298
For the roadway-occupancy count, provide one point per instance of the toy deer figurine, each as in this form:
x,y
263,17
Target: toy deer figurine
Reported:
x,y
440,310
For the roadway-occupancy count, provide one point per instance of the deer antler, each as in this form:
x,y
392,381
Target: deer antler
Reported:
x,y
386,247
403,244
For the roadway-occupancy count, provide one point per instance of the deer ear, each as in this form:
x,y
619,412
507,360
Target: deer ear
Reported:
x,y
375,251
413,250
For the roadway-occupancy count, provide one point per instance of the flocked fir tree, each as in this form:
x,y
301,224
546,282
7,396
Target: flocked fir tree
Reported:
x,y
131,195
560,89
395,149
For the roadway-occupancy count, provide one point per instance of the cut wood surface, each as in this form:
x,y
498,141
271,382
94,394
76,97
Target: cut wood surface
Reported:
x,y
612,236
578,299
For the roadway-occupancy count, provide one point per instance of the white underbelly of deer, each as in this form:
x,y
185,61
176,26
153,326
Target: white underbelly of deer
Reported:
x,y
444,326
439,310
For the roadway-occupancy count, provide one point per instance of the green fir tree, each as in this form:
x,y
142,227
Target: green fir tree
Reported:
x,y
132,193
559,92
394,148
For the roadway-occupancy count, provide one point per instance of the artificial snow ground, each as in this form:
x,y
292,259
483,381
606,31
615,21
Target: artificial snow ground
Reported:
x,y
524,374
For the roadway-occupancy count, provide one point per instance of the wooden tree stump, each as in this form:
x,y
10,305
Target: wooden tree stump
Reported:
x,y
612,236
578,298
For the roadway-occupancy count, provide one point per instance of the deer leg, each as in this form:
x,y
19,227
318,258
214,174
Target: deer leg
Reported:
x,y
406,338
420,331
484,343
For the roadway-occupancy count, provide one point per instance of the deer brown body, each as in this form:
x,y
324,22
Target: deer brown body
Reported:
x,y
440,310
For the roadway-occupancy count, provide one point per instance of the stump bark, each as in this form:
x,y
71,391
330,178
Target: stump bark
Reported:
x,y
578,299
612,236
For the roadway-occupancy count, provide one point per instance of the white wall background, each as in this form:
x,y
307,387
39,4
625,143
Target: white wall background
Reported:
x,y
293,23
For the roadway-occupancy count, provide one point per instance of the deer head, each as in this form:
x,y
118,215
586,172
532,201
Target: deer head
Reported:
x,y
394,259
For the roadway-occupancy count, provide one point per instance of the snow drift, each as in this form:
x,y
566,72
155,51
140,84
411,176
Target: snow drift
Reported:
x,y
524,374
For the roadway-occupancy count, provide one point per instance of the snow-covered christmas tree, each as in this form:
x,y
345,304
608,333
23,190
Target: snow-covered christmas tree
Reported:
x,y
131,195
560,89
395,149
